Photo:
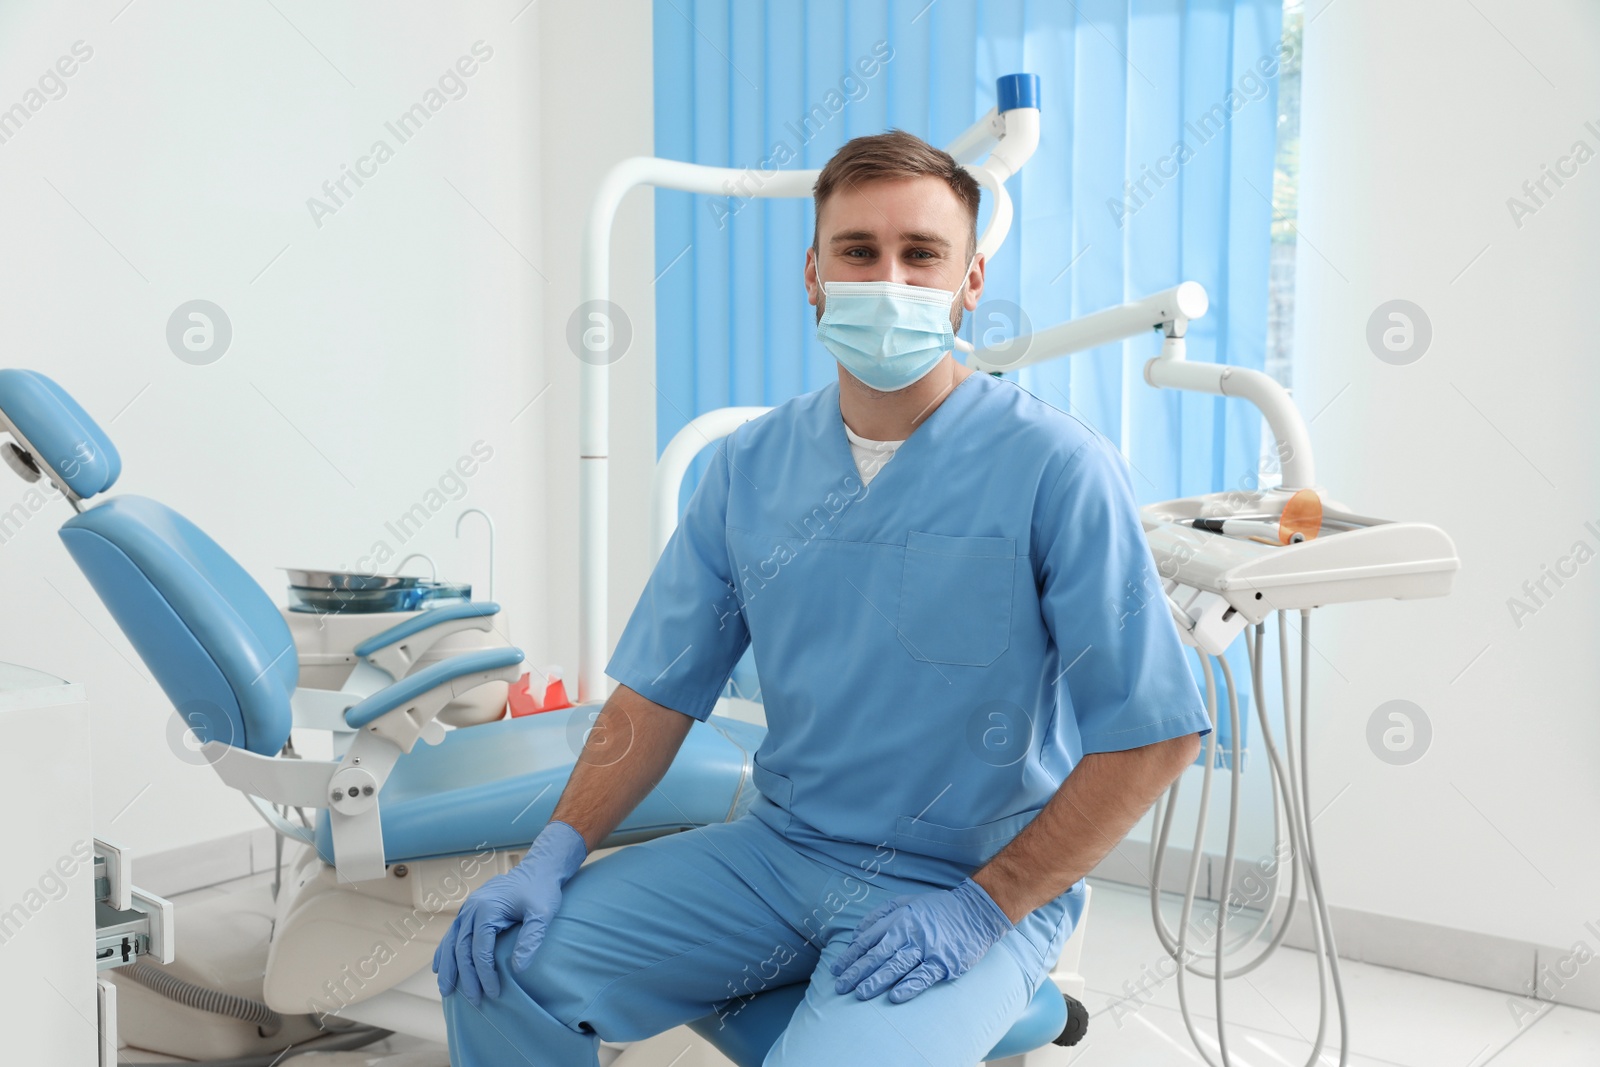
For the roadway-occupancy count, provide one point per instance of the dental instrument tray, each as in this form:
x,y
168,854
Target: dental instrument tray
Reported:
x,y
1354,557
344,592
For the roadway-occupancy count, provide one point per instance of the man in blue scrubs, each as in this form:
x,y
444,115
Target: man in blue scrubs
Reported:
x,y
972,684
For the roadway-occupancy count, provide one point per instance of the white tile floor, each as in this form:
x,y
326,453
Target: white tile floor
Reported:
x,y
1397,1019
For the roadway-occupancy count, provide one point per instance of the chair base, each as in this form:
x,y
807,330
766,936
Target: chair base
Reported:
x,y
336,944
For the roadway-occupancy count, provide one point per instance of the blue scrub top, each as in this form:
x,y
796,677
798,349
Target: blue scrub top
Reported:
x,y
936,650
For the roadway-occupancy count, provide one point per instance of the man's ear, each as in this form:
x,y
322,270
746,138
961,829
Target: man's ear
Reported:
x,y
812,288
974,290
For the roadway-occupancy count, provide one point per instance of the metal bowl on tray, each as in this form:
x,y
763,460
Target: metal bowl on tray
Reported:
x,y
308,579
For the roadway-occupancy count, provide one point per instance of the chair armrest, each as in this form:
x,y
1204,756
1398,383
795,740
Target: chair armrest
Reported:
x,y
413,686
388,725
397,649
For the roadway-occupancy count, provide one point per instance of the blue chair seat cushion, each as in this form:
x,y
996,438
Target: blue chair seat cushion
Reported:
x,y
495,786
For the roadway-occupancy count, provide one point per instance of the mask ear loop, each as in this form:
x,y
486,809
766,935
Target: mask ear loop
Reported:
x,y
961,343
822,291
966,276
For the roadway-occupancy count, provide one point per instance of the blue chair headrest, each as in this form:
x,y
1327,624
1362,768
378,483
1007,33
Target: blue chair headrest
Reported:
x,y
57,436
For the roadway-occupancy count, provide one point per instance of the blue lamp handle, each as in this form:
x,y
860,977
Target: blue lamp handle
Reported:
x,y
1016,90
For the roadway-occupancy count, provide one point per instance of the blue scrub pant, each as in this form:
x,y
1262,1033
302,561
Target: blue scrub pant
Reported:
x,y
660,933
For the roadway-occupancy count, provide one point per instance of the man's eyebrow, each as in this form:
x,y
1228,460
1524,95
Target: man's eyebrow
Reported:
x,y
917,237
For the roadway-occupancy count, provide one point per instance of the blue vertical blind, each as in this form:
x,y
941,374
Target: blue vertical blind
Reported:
x,y
1154,166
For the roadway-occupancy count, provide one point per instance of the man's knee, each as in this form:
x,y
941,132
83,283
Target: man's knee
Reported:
x,y
532,980
501,1030
550,978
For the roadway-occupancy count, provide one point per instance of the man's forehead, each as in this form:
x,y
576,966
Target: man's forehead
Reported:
x,y
921,210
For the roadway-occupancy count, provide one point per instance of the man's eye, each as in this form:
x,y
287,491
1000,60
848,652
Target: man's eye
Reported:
x,y
921,253
852,253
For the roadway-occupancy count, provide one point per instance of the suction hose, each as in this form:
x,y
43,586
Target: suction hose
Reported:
x,y
212,1000
343,1042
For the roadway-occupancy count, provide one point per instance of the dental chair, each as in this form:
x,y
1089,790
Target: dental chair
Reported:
x,y
403,830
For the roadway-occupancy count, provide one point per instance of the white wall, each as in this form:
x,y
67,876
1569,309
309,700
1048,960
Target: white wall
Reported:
x,y
369,355
1419,121
595,76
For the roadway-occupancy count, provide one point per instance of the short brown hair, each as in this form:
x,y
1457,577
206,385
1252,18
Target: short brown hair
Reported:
x,y
895,154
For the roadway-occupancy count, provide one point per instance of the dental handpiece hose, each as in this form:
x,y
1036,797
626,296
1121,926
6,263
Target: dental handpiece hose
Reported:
x,y
1254,530
1290,774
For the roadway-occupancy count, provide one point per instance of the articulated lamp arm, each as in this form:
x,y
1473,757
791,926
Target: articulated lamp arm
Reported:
x,y
1170,312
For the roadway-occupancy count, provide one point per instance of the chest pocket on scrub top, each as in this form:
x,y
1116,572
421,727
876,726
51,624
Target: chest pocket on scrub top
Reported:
x,y
955,598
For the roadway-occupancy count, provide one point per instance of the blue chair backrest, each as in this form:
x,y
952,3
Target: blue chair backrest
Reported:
x,y
212,637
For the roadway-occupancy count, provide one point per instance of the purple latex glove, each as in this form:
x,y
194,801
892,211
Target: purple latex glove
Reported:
x,y
530,894
918,939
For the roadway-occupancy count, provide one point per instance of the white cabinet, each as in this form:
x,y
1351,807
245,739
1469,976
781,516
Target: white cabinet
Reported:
x,y
48,1013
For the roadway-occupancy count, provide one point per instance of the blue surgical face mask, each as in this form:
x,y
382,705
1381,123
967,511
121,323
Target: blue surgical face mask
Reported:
x,y
887,334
